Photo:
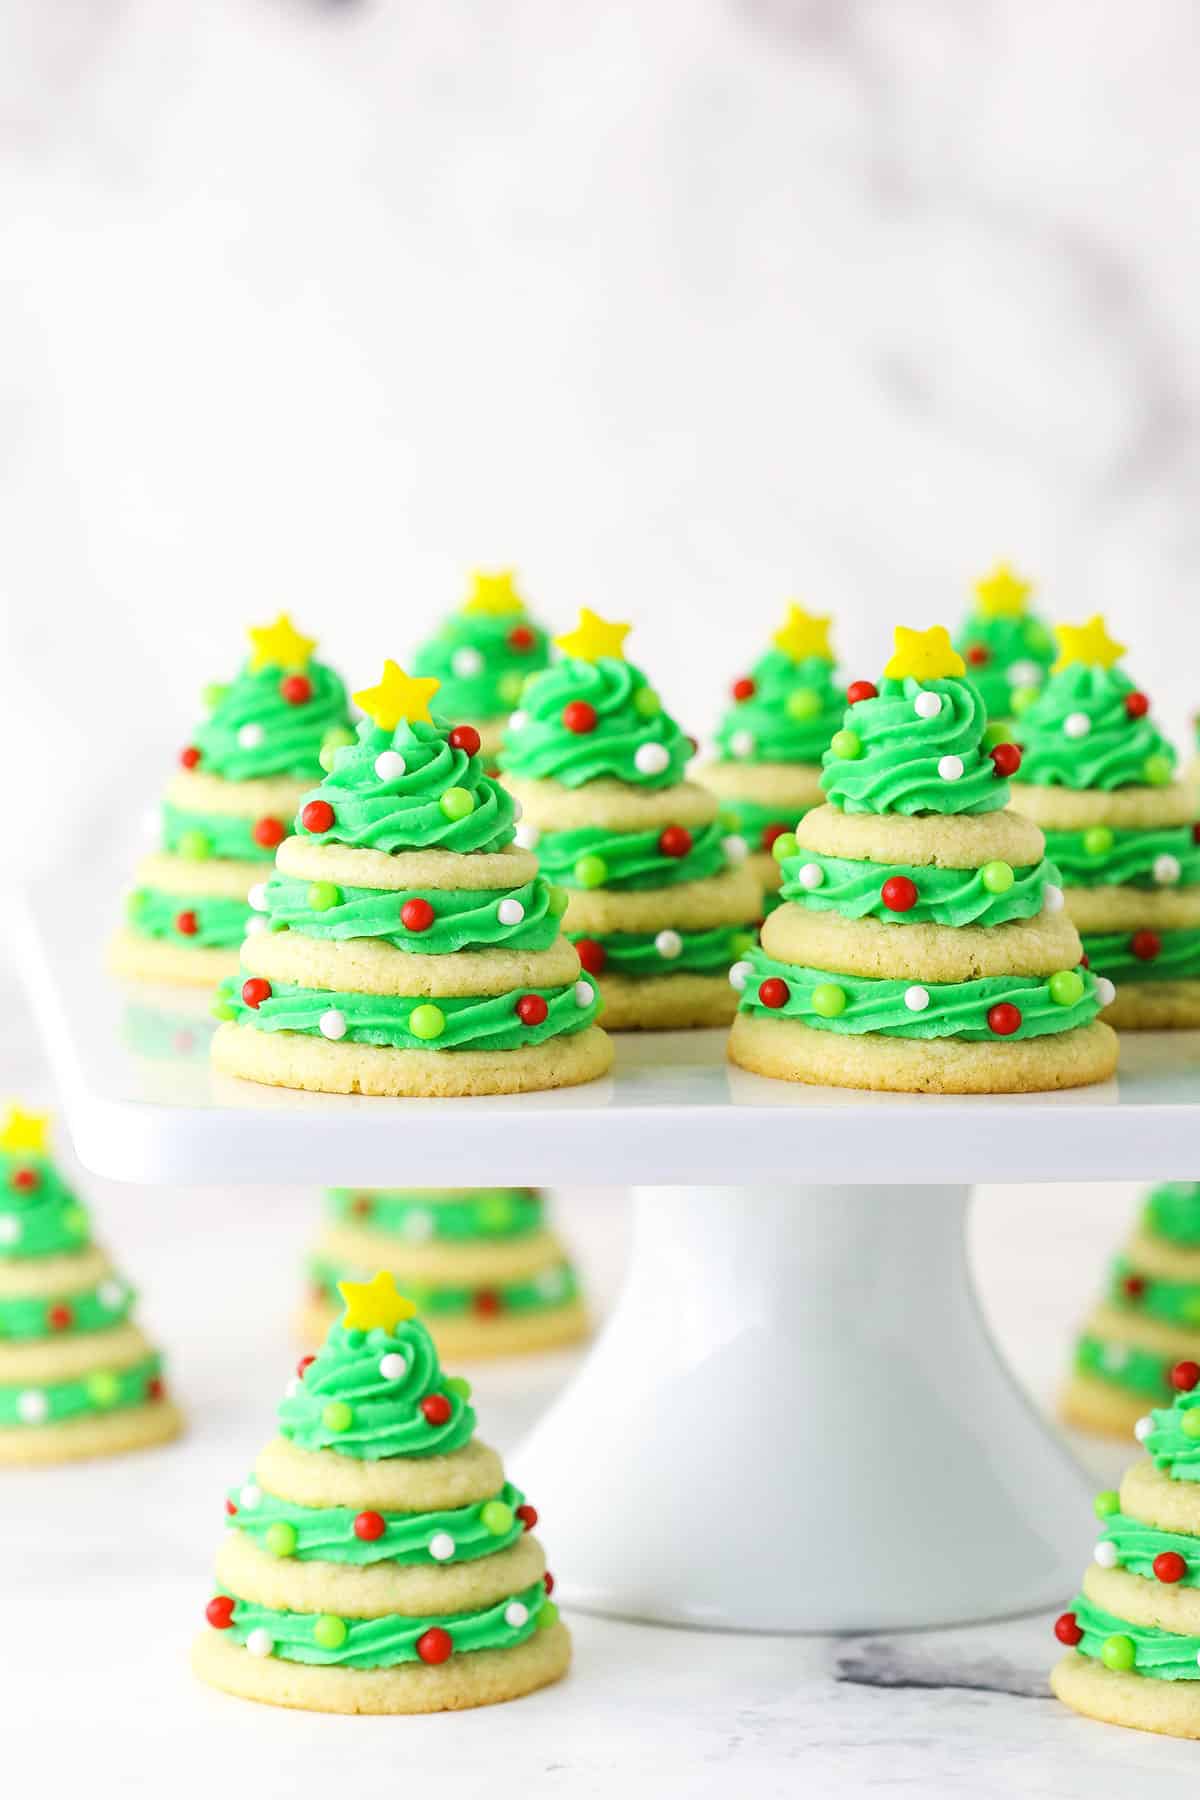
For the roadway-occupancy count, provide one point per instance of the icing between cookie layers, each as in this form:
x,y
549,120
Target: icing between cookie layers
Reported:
x,y
209,921
327,1534
466,1022
953,897
549,1289
443,1215
463,918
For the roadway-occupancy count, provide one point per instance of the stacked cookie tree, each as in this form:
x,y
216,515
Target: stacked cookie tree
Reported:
x,y
1099,778
1147,1320
408,947
767,772
1007,650
228,808
483,655
923,946
377,1561
656,908
479,1264
77,1378
1132,1635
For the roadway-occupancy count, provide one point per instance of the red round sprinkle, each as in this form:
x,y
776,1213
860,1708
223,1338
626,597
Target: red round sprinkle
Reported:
x,y
437,1409
521,637
1196,832
1137,705
978,655
317,816
531,1009
296,689
416,915
743,688
303,1364
487,1303
1006,758
186,923
1134,1286
268,832
579,716
1168,1565
899,894
155,1388
60,1318
1066,1629
361,1206
219,1612
434,1645
1004,1018
1146,945
860,690
189,756
25,1180
528,1516
231,1509
771,832
675,840
592,956
1184,1376
465,737
773,992
369,1525
1085,961
548,1582
255,991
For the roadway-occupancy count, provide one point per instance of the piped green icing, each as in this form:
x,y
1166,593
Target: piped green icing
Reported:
x,y
757,824
551,1287
326,1533
1126,1366
1137,1544
445,1215
790,717
219,921
492,689
955,897
1170,1444
1172,1211
227,836
101,1390
1117,750
629,719
632,859
464,918
471,1021
1106,857
899,757
45,1219
24,1317
670,952
1160,1655
1174,1302
1176,957
1017,651
285,738
385,1410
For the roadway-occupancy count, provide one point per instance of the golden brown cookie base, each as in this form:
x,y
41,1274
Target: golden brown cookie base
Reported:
x,y
1155,1006
1090,1404
95,1434
1119,1697
291,1060
474,1339
790,1051
476,1678
155,959
665,1002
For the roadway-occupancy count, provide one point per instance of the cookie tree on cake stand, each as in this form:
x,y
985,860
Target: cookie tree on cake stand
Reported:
x,y
1007,651
483,655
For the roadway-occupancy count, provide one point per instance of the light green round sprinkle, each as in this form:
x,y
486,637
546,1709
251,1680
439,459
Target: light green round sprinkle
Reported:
x,y
75,1220
558,900
803,703
647,703
103,1387
1189,1422
458,1384
427,1021
828,1000
995,733
997,877
1106,1503
212,694
529,680
1066,988
846,745
509,687
729,821
741,942
322,895
329,1631
456,803
496,1518
195,845
1191,1309
1098,840
338,1415
1117,1652
495,1213
1022,698
785,845
1037,638
1157,769
591,871
325,756
221,1009
280,1538
546,1615
135,904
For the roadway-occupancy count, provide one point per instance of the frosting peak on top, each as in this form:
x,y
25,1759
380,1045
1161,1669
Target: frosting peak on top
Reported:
x,y
789,706
277,714
1170,1435
1090,727
1006,649
484,653
39,1213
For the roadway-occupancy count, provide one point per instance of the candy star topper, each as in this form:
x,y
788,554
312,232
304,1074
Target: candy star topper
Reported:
x,y
803,634
494,595
1088,643
374,1303
279,645
24,1131
593,638
1003,593
924,655
398,696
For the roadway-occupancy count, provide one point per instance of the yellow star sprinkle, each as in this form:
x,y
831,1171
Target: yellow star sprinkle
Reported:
x,y
279,645
374,1303
924,655
493,594
803,634
24,1131
1003,593
398,696
1088,643
594,637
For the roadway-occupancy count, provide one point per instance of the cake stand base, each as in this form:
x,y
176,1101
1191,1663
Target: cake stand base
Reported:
x,y
797,1421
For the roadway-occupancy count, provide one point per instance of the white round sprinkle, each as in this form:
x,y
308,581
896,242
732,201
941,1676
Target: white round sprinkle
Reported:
x,y
1105,1554
441,1546
735,847
10,1228
585,993
550,1283
1166,870
1023,674
419,1226
742,743
258,896
1106,993
516,1614
1115,1356
1143,1428
740,974
390,765
292,1388
669,945
251,736
110,1294
393,1366
812,875
250,1496
950,768
518,721
1076,725
466,661
518,811
651,759
528,837
927,704
333,1024
1052,897
255,924
510,912
260,1643
916,998
32,1406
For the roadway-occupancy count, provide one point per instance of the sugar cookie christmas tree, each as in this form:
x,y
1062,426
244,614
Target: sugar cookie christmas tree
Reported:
x,y
407,947
483,655
1147,1320
77,1378
767,772
657,910
1133,1632
1099,778
1007,650
228,806
377,1560
923,946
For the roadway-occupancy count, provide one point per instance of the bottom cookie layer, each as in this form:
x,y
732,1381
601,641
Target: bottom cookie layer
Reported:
x,y
108,1434
291,1060
665,1002
1155,1006
153,959
1120,1698
791,1051
473,1338
480,1678
1094,1405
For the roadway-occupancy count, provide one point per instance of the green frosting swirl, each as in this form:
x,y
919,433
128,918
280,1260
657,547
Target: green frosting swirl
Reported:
x,y
699,953
1111,953
1004,653
403,812
1174,1302
385,1417
292,734
26,1317
1172,1211
1160,1655
550,1288
629,719
326,1534
226,836
1116,749
44,1219
220,921
1103,857
464,918
944,896
99,1391
1137,1544
631,859
481,670
789,718
469,1022
955,1009
897,765
423,1215
751,820
1169,1444
1124,1366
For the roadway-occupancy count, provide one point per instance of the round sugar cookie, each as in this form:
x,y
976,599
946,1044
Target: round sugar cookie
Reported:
x,y
44,1361
957,841
207,878
1092,1404
474,1337
1159,1256
471,1262
611,805
1155,1006
91,1434
319,1478
1149,1494
730,898
491,737
933,953
158,959
1120,1697
1071,809
191,790
1119,1325
367,966
1129,908
391,873
792,787
60,1276
665,1002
